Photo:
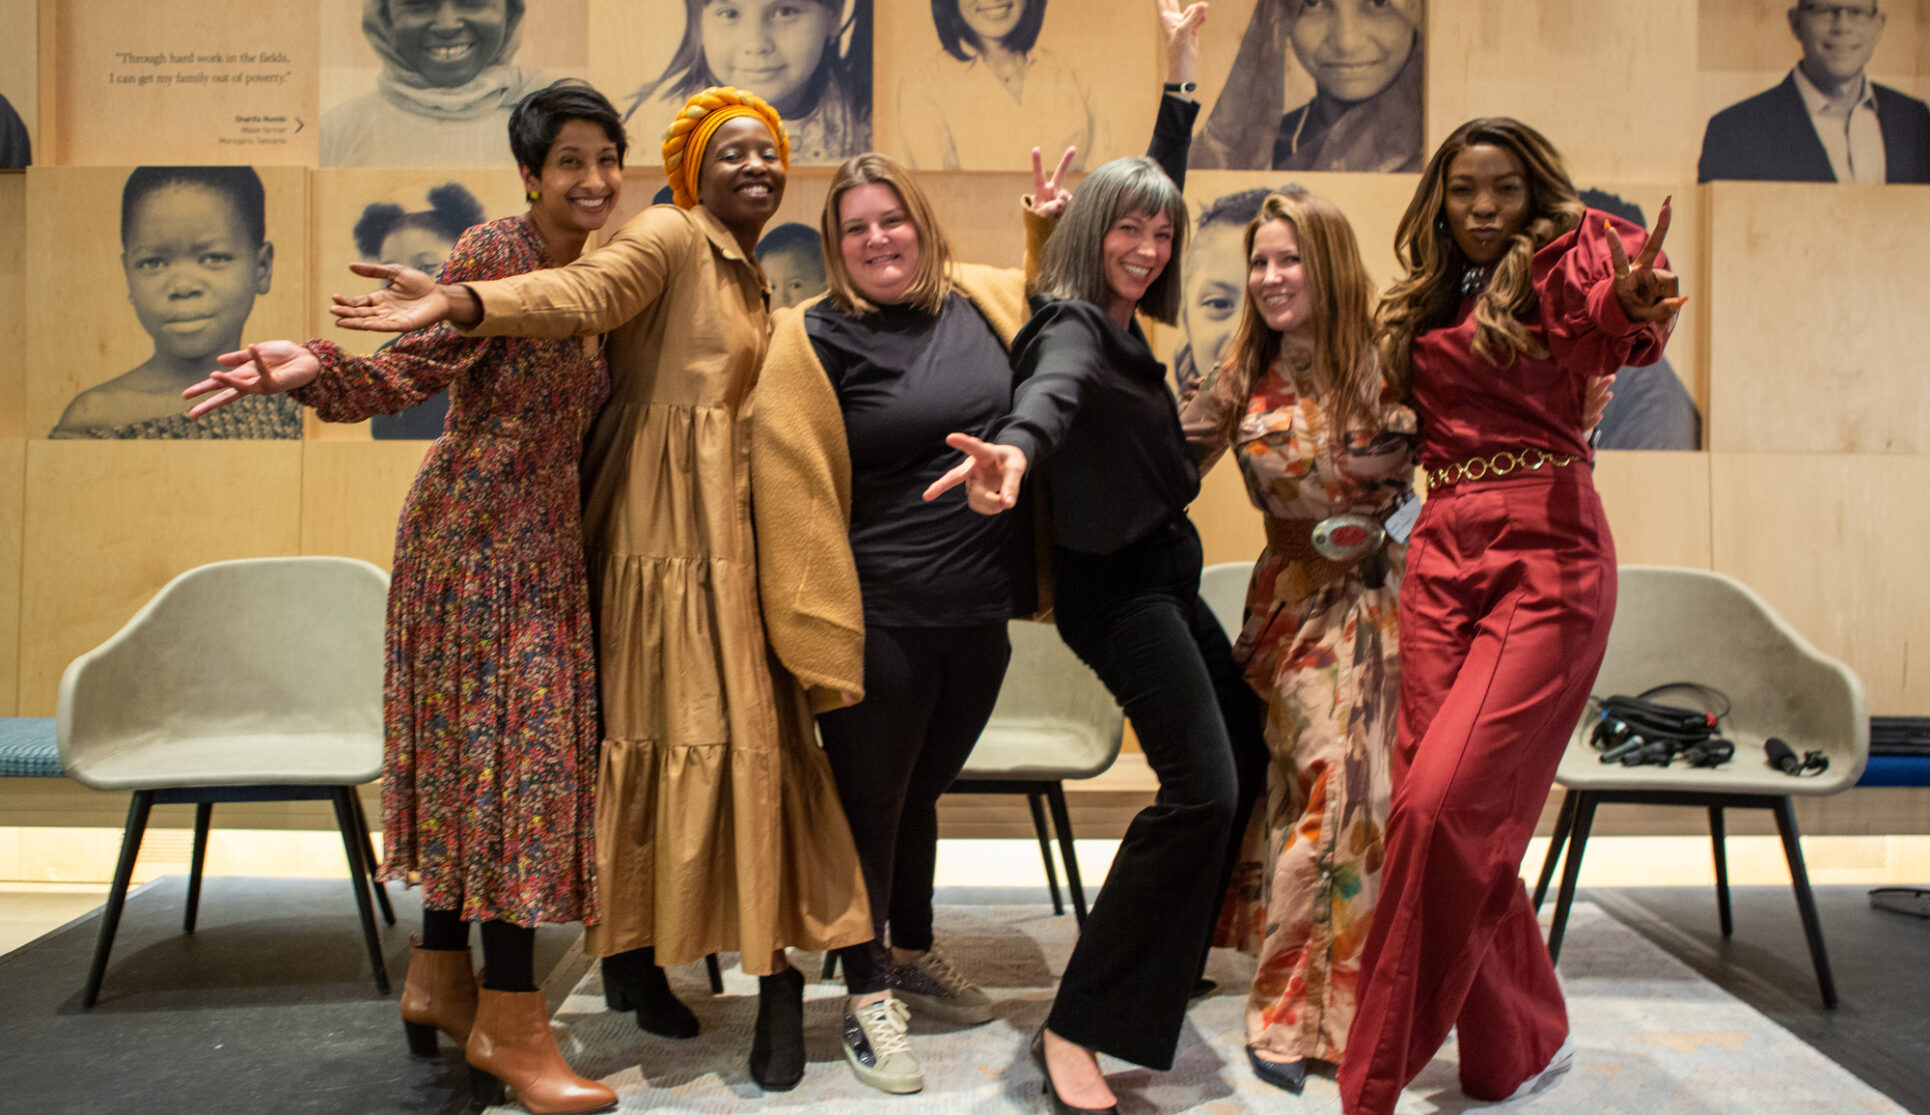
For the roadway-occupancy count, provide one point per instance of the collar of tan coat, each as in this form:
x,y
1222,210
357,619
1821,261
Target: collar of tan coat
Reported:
x,y
801,488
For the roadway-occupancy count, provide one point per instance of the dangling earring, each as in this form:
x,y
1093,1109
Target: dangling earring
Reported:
x,y
533,195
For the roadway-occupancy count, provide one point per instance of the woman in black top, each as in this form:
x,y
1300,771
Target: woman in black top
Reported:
x,y
1093,411
915,347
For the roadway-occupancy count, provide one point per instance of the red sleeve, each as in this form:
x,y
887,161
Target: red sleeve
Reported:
x,y
415,365
1588,334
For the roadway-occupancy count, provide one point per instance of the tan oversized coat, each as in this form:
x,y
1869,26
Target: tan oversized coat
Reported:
x,y
718,825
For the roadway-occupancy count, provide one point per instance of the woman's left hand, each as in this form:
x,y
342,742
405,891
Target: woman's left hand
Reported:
x,y
1596,404
1647,293
1182,28
1049,195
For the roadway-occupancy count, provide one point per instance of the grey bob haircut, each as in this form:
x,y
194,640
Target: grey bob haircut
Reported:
x,y
1072,264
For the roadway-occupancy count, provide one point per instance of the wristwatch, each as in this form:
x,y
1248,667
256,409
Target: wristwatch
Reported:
x,y
1181,86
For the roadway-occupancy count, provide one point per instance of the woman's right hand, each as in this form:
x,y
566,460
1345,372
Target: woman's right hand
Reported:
x,y
1182,30
264,369
990,472
410,301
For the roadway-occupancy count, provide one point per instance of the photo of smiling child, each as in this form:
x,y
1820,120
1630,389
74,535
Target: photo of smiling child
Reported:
x,y
991,93
1364,61
445,90
195,254
811,59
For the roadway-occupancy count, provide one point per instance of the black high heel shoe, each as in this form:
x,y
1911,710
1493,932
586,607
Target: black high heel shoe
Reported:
x,y
632,981
1059,1105
1290,1076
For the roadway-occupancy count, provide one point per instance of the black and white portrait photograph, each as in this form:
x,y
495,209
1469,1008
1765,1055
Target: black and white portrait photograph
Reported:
x,y
1828,119
195,257
1320,85
389,233
19,65
811,59
432,82
792,256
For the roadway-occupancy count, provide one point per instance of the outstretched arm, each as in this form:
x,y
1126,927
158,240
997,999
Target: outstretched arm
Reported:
x,y
1173,127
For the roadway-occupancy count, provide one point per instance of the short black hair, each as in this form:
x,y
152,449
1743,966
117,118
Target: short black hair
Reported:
x,y
537,118
790,236
452,211
955,35
240,185
1614,205
1234,209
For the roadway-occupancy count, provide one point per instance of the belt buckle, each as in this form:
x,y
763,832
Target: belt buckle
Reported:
x,y
1348,537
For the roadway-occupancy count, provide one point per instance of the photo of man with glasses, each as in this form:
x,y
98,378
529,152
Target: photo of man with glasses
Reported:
x,y
1827,121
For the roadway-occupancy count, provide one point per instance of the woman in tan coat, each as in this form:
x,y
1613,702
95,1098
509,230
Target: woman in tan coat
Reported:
x,y
718,826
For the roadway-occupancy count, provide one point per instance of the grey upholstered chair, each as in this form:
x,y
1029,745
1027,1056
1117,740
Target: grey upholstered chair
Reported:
x,y
1054,721
1674,625
253,680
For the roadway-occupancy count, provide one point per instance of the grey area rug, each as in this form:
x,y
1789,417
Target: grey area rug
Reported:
x,y
1652,1038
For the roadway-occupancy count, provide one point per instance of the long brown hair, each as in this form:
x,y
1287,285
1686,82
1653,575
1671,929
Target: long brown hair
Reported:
x,y
1428,293
932,280
1339,296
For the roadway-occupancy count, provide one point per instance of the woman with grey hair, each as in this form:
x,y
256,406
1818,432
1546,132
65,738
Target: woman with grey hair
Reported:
x,y
1093,411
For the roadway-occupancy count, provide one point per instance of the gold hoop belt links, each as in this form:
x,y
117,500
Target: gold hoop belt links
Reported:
x,y
1499,464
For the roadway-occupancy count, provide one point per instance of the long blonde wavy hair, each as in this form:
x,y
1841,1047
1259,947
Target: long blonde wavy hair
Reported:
x,y
1426,296
1340,297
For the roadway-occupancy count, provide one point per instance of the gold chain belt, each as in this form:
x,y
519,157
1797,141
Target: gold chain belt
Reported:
x,y
1495,465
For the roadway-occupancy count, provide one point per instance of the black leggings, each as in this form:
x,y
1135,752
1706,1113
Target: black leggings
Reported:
x,y
509,950
928,693
1136,618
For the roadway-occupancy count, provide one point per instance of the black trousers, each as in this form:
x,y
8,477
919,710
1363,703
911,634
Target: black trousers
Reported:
x,y
928,693
1136,618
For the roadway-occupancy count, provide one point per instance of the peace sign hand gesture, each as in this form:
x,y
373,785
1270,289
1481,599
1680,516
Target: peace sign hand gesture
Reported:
x,y
411,301
1182,29
1647,293
1049,195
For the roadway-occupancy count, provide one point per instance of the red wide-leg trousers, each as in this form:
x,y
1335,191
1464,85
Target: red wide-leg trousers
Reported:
x,y
1505,610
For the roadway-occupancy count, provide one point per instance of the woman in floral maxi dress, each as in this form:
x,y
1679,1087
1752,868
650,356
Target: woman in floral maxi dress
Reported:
x,y
1319,642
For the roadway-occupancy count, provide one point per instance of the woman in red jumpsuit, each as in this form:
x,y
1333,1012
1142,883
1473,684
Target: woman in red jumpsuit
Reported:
x,y
1514,296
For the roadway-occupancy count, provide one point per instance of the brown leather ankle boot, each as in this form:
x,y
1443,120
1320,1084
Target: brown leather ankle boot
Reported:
x,y
440,994
511,1045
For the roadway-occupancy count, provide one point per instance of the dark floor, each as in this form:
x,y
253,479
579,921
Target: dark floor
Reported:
x,y
1880,1029
269,1006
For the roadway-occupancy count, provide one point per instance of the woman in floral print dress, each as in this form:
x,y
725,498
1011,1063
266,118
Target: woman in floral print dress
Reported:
x,y
490,699
1299,401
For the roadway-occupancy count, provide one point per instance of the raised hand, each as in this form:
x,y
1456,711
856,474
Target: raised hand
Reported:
x,y
1647,293
1596,403
410,301
990,472
1182,30
269,368
1049,195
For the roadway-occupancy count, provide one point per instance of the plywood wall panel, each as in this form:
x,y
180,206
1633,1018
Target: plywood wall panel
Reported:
x,y
1817,336
108,523
13,304
1613,85
1831,542
20,64
210,82
352,496
13,476
1658,506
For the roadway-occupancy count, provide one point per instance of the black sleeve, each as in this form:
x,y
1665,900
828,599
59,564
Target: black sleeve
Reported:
x,y
1173,136
1054,365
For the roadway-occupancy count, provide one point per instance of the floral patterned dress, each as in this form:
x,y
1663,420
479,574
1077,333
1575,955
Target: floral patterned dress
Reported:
x,y
490,698
1320,646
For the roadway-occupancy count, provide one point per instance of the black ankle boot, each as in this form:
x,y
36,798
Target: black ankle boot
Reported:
x,y
632,981
777,1052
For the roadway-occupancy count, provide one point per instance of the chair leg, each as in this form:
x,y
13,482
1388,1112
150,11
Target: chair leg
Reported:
x,y
137,811
359,877
1055,795
1570,872
716,974
1037,802
1785,811
1564,821
1716,842
203,812
369,857
830,964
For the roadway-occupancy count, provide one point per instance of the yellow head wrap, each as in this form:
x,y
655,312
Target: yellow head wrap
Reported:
x,y
687,136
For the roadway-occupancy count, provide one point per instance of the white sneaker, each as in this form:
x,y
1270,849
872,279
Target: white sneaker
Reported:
x,y
875,1045
934,986
1561,1062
